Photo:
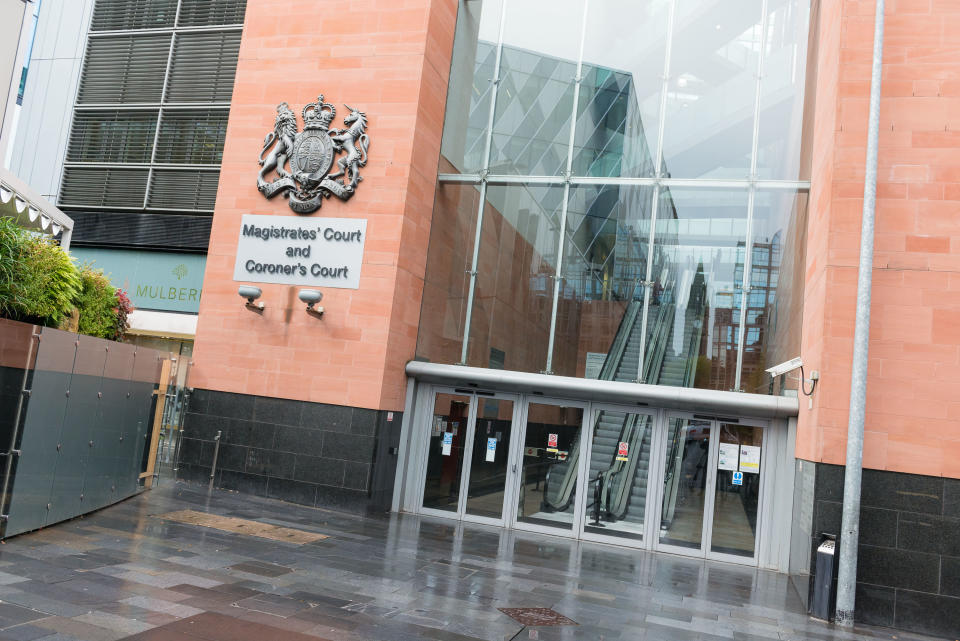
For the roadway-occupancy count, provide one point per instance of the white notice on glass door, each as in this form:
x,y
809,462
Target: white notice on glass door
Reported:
x,y
729,455
750,459
447,443
491,450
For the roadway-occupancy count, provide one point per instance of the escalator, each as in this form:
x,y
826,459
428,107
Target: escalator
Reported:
x,y
620,365
623,483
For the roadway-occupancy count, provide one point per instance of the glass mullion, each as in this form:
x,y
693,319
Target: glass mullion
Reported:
x,y
748,251
561,237
658,166
483,190
745,285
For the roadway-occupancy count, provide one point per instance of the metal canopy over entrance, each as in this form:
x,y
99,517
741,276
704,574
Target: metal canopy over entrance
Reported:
x,y
687,471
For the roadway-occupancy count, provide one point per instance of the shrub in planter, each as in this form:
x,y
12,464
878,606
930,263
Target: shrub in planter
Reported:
x,y
12,238
124,307
96,304
39,281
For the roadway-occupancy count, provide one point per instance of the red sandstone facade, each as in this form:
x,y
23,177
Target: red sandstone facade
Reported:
x,y
392,61
913,409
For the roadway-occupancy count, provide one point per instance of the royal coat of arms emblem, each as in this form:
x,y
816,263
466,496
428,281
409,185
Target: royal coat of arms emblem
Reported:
x,y
310,154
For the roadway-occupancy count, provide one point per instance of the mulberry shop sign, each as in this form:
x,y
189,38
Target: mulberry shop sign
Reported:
x,y
286,250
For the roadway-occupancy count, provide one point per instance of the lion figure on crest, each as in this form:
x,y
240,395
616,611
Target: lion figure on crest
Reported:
x,y
284,132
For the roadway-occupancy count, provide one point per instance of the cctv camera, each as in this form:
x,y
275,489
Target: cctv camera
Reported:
x,y
250,293
310,296
784,368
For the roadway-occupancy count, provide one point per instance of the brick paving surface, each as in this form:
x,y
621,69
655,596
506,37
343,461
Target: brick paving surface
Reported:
x,y
126,573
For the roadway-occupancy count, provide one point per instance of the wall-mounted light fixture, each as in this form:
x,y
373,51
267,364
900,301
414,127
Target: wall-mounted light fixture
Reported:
x,y
251,294
311,297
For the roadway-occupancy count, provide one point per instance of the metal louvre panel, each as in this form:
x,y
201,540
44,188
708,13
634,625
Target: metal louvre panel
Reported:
x,y
191,136
124,69
203,67
183,189
196,13
103,187
128,229
115,15
111,135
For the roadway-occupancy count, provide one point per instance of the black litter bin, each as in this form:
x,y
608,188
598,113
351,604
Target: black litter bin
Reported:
x,y
824,590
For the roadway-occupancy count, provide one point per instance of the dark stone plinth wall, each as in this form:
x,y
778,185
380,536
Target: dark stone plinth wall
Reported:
x,y
908,569
306,453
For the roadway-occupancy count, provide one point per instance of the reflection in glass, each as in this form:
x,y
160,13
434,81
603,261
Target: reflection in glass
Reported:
x,y
447,278
448,430
513,297
548,477
714,60
775,303
488,462
779,154
599,317
619,463
619,104
694,314
734,528
709,125
685,482
531,128
538,64
471,86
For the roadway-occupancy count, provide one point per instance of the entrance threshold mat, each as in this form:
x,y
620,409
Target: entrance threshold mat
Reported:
x,y
537,616
243,526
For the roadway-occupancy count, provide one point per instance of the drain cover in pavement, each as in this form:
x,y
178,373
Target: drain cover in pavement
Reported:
x,y
537,616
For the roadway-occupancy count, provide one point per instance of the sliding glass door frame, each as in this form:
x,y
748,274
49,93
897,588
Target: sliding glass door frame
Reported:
x,y
658,472
660,422
763,510
517,457
422,458
649,531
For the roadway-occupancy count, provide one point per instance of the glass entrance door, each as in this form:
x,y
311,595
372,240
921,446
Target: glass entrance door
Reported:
x,y
467,460
618,474
736,497
550,464
448,432
685,481
490,458
711,488
648,478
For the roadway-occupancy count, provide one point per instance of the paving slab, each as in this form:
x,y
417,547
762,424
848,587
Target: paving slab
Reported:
x,y
180,564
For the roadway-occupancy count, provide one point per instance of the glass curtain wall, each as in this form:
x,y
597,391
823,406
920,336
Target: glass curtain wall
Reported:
x,y
620,184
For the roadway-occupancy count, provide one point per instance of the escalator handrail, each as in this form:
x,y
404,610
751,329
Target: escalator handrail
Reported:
x,y
694,347
659,340
568,483
628,468
619,345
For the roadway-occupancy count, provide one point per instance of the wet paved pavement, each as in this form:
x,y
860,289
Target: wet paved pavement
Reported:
x,y
126,573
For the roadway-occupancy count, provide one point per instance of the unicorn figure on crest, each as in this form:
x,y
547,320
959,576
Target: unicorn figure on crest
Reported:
x,y
355,141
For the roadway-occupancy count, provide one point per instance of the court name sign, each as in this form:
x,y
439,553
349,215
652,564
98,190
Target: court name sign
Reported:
x,y
286,250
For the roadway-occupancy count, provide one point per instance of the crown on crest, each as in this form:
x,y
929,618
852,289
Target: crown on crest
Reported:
x,y
319,114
